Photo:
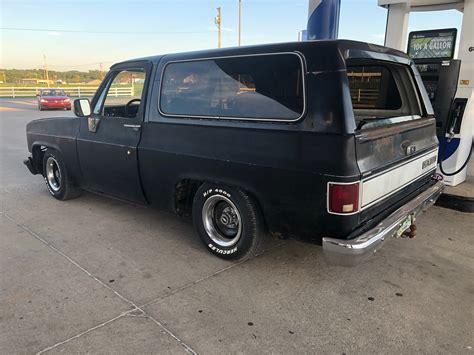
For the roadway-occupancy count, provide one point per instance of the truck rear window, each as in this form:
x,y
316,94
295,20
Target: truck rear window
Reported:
x,y
261,87
373,87
382,93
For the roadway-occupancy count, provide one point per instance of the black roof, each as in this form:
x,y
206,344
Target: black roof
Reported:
x,y
344,46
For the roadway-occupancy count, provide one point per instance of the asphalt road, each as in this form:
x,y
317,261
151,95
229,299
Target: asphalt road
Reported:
x,y
98,275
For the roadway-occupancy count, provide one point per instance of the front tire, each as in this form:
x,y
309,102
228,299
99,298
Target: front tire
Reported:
x,y
228,221
57,178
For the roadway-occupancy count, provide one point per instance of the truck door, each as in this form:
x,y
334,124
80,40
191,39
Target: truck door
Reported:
x,y
108,139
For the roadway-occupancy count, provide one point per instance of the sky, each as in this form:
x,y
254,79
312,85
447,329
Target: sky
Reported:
x,y
108,31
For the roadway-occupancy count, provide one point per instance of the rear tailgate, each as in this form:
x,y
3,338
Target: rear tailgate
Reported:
x,y
394,162
396,144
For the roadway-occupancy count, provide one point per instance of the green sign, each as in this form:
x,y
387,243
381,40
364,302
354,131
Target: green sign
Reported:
x,y
433,44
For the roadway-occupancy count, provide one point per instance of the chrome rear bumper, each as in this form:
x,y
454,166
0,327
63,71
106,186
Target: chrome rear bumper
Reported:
x,y
353,251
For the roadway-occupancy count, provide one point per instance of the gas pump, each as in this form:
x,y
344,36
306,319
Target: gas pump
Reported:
x,y
433,51
449,82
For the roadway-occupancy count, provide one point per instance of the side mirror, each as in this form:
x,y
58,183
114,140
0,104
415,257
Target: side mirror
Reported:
x,y
82,107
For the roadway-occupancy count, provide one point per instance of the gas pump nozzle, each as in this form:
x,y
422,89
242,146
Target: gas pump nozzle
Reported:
x,y
457,109
450,135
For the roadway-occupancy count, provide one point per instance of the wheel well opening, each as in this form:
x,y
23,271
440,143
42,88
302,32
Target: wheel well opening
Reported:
x,y
185,190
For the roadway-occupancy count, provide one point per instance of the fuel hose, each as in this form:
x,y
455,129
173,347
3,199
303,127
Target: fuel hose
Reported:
x,y
457,171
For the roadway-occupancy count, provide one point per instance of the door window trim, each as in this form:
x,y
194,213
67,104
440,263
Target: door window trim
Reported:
x,y
303,82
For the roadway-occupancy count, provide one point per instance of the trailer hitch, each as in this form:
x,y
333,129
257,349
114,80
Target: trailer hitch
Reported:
x,y
407,228
410,232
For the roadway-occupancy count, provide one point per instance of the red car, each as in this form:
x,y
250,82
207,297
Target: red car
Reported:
x,y
53,99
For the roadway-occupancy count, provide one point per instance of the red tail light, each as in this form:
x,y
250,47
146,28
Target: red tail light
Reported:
x,y
343,198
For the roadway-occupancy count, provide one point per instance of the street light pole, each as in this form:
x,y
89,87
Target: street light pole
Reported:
x,y
218,21
240,22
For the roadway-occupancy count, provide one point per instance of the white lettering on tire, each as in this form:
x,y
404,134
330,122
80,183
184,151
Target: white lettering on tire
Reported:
x,y
222,192
221,251
217,191
207,192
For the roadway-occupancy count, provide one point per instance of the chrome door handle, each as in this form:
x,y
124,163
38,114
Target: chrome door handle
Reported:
x,y
135,127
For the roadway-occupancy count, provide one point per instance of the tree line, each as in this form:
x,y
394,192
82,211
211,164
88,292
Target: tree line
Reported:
x,y
72,76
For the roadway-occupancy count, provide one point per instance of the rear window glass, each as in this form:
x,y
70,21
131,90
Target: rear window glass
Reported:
x,y
268,87
373,87
382,93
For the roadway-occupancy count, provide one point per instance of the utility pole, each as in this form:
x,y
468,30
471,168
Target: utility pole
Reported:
x,y
101,77
46,69
218,22
240,22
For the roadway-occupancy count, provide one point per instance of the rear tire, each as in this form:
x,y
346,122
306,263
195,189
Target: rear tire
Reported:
x,y
57,178
228,221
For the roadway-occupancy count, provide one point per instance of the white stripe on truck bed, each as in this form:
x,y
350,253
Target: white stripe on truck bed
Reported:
x,y
375,189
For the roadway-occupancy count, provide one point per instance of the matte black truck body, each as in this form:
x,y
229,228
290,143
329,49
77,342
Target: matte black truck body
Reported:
x,y
286,167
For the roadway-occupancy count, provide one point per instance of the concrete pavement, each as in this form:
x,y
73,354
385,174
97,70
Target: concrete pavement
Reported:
x,y
99,275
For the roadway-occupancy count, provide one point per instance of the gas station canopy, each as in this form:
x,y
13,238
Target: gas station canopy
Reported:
x,y
399,11
425,5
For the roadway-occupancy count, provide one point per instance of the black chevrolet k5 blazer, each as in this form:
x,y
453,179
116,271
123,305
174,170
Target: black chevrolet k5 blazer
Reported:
x,y
328,140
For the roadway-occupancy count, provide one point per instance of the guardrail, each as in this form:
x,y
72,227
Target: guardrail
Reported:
x,y
79,91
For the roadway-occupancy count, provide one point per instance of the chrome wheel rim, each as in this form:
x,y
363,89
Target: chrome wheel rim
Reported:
x,y
222,221
53,174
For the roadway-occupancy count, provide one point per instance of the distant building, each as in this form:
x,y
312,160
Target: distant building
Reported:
x,y
34,81
27,81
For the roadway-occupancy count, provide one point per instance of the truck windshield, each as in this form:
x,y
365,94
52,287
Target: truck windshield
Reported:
x,y
382,93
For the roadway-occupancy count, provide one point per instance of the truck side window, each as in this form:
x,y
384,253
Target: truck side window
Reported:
x,y
122,97
268,87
